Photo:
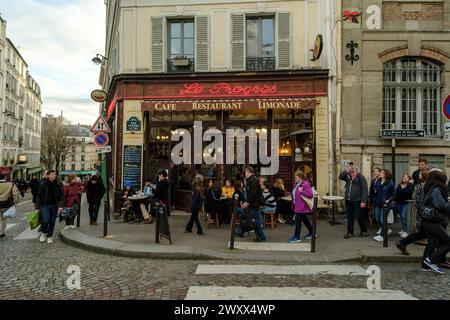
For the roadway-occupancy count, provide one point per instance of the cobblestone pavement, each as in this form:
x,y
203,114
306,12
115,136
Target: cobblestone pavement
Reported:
x,y
31,270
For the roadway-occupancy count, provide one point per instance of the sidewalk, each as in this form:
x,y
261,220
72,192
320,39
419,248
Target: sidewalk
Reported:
x,y
138,240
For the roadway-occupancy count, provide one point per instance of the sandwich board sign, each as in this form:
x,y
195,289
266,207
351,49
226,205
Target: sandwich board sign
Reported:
x,y
100,125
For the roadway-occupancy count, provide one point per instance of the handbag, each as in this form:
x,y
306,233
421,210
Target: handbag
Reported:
x,y
10,213
390,217
33,219
309,202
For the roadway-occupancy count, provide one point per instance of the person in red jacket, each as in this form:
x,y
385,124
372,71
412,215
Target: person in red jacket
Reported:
x,y
72,194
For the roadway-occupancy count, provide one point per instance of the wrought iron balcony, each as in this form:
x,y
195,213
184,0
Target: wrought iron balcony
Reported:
x,y
181,64
261,63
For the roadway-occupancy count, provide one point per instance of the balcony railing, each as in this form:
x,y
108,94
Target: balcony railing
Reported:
x,y
261,63
180,65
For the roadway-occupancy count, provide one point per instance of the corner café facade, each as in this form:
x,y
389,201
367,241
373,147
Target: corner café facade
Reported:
x,y
144,111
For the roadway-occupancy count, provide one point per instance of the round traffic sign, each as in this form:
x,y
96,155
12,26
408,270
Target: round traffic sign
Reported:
x,y
446,107
101,139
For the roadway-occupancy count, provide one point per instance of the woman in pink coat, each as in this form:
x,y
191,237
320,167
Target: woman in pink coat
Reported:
x,y
302,189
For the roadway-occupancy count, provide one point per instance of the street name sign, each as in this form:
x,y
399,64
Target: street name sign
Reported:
x,y
106,149
100,125
402,133
101,139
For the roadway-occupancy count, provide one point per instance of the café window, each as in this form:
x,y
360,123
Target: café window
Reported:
x,y
412,95
260,43
180,46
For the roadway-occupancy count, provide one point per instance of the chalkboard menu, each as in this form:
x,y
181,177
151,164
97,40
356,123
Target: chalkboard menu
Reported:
x,y
132,166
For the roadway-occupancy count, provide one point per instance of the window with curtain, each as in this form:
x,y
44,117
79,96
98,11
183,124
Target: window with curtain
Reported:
x,y
411,95
260,43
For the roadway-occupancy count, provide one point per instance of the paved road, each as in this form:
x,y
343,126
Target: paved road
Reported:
x,y
30,270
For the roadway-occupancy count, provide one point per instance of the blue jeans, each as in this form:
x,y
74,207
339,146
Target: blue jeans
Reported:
x,y
379,217
49,214
256,214
403,209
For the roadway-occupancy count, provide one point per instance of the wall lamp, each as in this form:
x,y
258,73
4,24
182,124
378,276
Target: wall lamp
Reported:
x,y
99,59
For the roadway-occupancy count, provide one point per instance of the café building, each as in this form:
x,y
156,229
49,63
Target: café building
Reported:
x,y
146,111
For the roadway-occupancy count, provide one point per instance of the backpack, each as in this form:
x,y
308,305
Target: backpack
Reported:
x,y
427,211
247,222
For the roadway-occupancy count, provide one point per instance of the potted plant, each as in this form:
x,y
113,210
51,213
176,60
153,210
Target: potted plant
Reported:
x,y
11,161
180,61
5,162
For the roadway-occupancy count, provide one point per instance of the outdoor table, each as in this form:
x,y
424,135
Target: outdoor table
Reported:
x,y
138,199
333,200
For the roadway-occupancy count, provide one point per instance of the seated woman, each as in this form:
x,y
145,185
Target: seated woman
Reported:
x,y
148,191
279,192
212,199
126,203
270,203
238,196
226,201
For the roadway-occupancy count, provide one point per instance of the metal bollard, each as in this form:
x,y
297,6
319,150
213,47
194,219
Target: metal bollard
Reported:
x,y
314,225
233,225
385,226
157,223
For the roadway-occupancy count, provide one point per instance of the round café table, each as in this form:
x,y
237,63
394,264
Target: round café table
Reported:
x,y
139,199
333,200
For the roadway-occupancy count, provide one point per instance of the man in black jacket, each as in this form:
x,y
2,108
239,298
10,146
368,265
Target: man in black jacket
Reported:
x,y
253,202
94,194
423,165
356,194
50,200
161,190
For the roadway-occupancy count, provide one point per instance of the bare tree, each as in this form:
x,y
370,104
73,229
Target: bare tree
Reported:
x,y
55,146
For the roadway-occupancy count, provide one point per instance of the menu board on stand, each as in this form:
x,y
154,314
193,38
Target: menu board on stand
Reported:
x,y
132,166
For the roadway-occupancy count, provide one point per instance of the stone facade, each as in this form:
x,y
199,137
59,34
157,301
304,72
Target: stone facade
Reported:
x,y
407,30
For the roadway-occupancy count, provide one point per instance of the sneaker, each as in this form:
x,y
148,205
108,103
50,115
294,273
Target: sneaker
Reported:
x,y
404,235
294,239
426,269
309,236
432,266
402,248
281,220
389,232
348,236
43,238
363,235
50,240
379,232
378,238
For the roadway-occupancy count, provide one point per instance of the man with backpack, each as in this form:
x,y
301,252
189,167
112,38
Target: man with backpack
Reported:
x,y
9,197
253,202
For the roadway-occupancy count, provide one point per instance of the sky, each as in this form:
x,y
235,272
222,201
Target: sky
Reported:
x,y
58,39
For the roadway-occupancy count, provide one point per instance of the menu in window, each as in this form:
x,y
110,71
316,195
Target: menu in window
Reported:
x,y
132,166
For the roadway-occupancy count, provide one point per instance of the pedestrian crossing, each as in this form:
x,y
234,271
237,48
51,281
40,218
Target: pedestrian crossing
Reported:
x,y
267,293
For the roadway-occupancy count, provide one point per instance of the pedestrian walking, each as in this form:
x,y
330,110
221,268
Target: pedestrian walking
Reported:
x,y
253,202
50,200
72,195
420,234
94,194
9,197
403,194
435,215
301,192
385,194
33,184
23,187
197,204
356,194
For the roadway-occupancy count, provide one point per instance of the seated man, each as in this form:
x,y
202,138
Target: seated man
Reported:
x,y
148,191
126,203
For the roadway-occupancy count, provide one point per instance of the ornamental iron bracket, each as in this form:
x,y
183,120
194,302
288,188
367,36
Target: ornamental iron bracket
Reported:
x,y
352,57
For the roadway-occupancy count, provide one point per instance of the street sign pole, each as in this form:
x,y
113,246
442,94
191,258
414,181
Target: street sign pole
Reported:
x,y
393,155
106,216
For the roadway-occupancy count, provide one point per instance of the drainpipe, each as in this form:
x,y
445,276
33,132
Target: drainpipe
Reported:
x,y
338,52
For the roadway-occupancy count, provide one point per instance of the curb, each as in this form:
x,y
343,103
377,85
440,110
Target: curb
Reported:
x,y
77,239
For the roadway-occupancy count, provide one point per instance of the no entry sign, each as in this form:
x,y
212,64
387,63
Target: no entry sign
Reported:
x,y
446,107
101,139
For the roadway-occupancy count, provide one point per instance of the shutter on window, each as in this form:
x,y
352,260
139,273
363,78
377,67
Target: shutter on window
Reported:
x,y
202,44
238,42
157,44
284,41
